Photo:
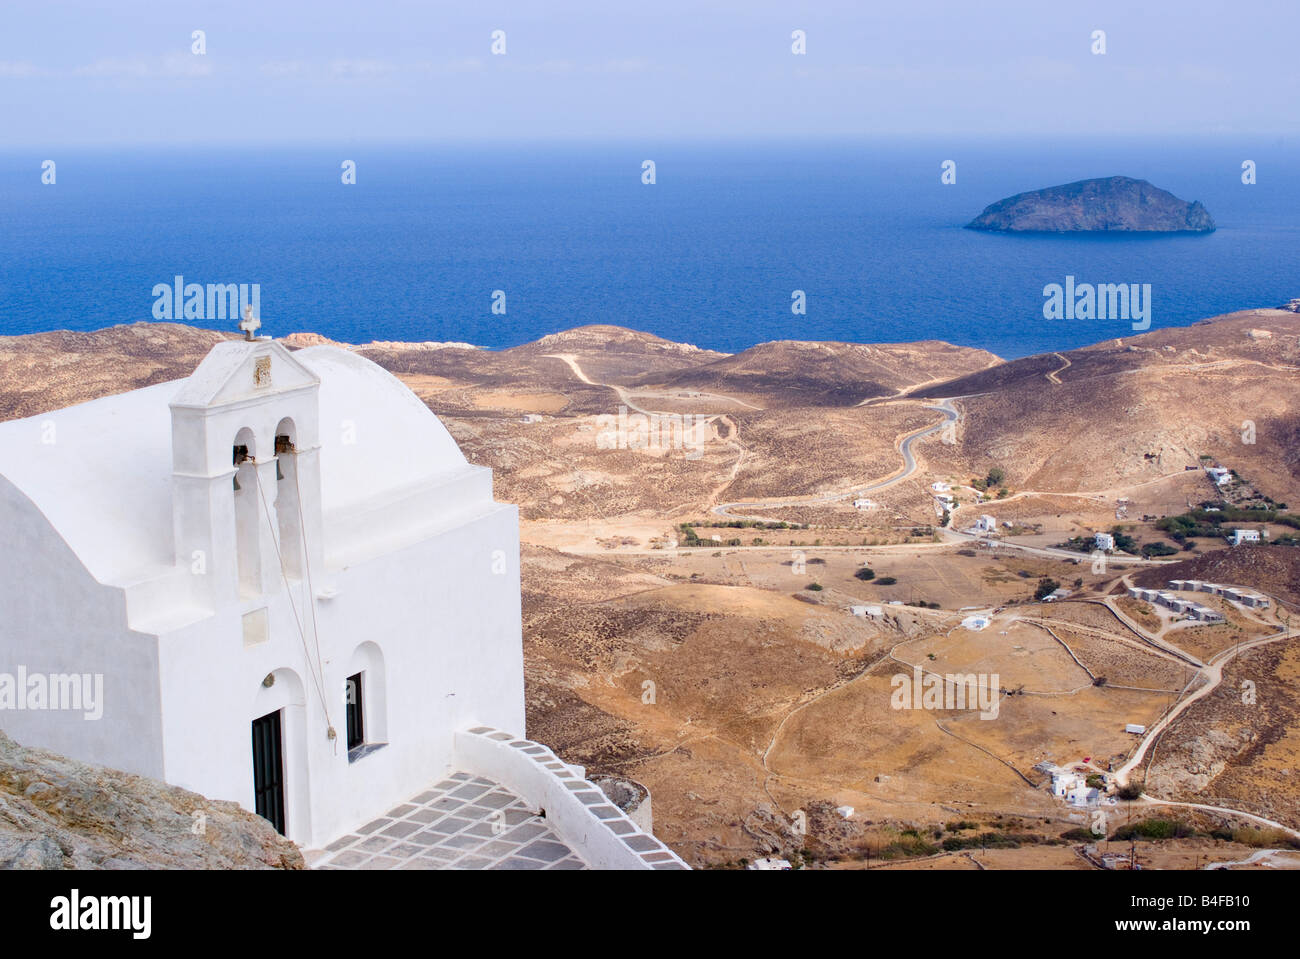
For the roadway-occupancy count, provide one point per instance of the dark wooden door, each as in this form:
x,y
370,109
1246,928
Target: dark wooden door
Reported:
x,y
268,769
356,727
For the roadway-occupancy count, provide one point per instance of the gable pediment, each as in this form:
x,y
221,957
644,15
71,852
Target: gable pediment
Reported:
x,y
240,370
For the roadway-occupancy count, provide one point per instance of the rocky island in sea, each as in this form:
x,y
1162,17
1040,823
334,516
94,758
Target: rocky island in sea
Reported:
x,y
1117,204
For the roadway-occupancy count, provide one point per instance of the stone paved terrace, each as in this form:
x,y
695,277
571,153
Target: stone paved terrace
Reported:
x,y
463,822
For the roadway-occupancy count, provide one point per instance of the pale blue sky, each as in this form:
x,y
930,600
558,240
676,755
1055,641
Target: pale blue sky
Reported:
x,y
285,71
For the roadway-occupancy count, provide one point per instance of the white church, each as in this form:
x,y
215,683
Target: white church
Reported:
x,y
297,593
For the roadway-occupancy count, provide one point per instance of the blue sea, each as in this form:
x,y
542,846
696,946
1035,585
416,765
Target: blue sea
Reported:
x,y
709,254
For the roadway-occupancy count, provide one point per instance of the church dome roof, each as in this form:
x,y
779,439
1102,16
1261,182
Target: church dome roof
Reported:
x,y
101,472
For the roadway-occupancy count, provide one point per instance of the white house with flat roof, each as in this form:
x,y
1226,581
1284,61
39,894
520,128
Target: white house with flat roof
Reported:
x,y
1104,542
296,593
1240,536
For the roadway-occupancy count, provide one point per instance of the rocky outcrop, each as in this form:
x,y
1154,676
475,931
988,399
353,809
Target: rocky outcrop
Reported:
x,y
1116,204
58,813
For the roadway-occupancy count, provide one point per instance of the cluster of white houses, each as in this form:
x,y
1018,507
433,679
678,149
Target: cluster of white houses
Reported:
x,y
1191,608
1187,607
1234,594
298,592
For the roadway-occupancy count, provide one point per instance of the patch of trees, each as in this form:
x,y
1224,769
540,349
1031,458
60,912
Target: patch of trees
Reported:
x,y
993,478
1086,544
744,524
1154,829
1157,549
1046,586
1201,523
991,840
1123,541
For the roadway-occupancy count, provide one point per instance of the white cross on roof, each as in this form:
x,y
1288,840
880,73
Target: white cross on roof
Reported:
x,y
249,324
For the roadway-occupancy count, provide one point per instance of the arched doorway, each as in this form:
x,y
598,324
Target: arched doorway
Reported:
x,y
280,789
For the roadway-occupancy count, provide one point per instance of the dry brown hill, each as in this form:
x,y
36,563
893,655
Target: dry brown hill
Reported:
x,y
799,373
1122,411
1272,569
1136,408
47,371
1219,339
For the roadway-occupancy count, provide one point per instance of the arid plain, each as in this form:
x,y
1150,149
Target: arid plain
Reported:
x,y
728,559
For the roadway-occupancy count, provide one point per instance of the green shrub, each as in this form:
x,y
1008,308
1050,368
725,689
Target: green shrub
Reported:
x,y
1046,586
1154,829
1158,549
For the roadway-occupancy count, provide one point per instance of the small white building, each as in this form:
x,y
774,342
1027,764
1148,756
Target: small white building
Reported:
x,y
1240,536
293,590
940,486
866,612
769,863
1220,475
1136,729
864,504
1104,542
1083,795
1063,780
986,524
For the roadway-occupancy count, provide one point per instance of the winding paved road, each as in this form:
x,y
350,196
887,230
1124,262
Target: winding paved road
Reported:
x,y
950,415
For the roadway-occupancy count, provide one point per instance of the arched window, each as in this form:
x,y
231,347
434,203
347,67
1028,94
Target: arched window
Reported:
x,y
365,701
247,513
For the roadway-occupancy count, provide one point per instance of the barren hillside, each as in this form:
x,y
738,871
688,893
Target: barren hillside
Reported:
x,y
796,373
1140,407
769,694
